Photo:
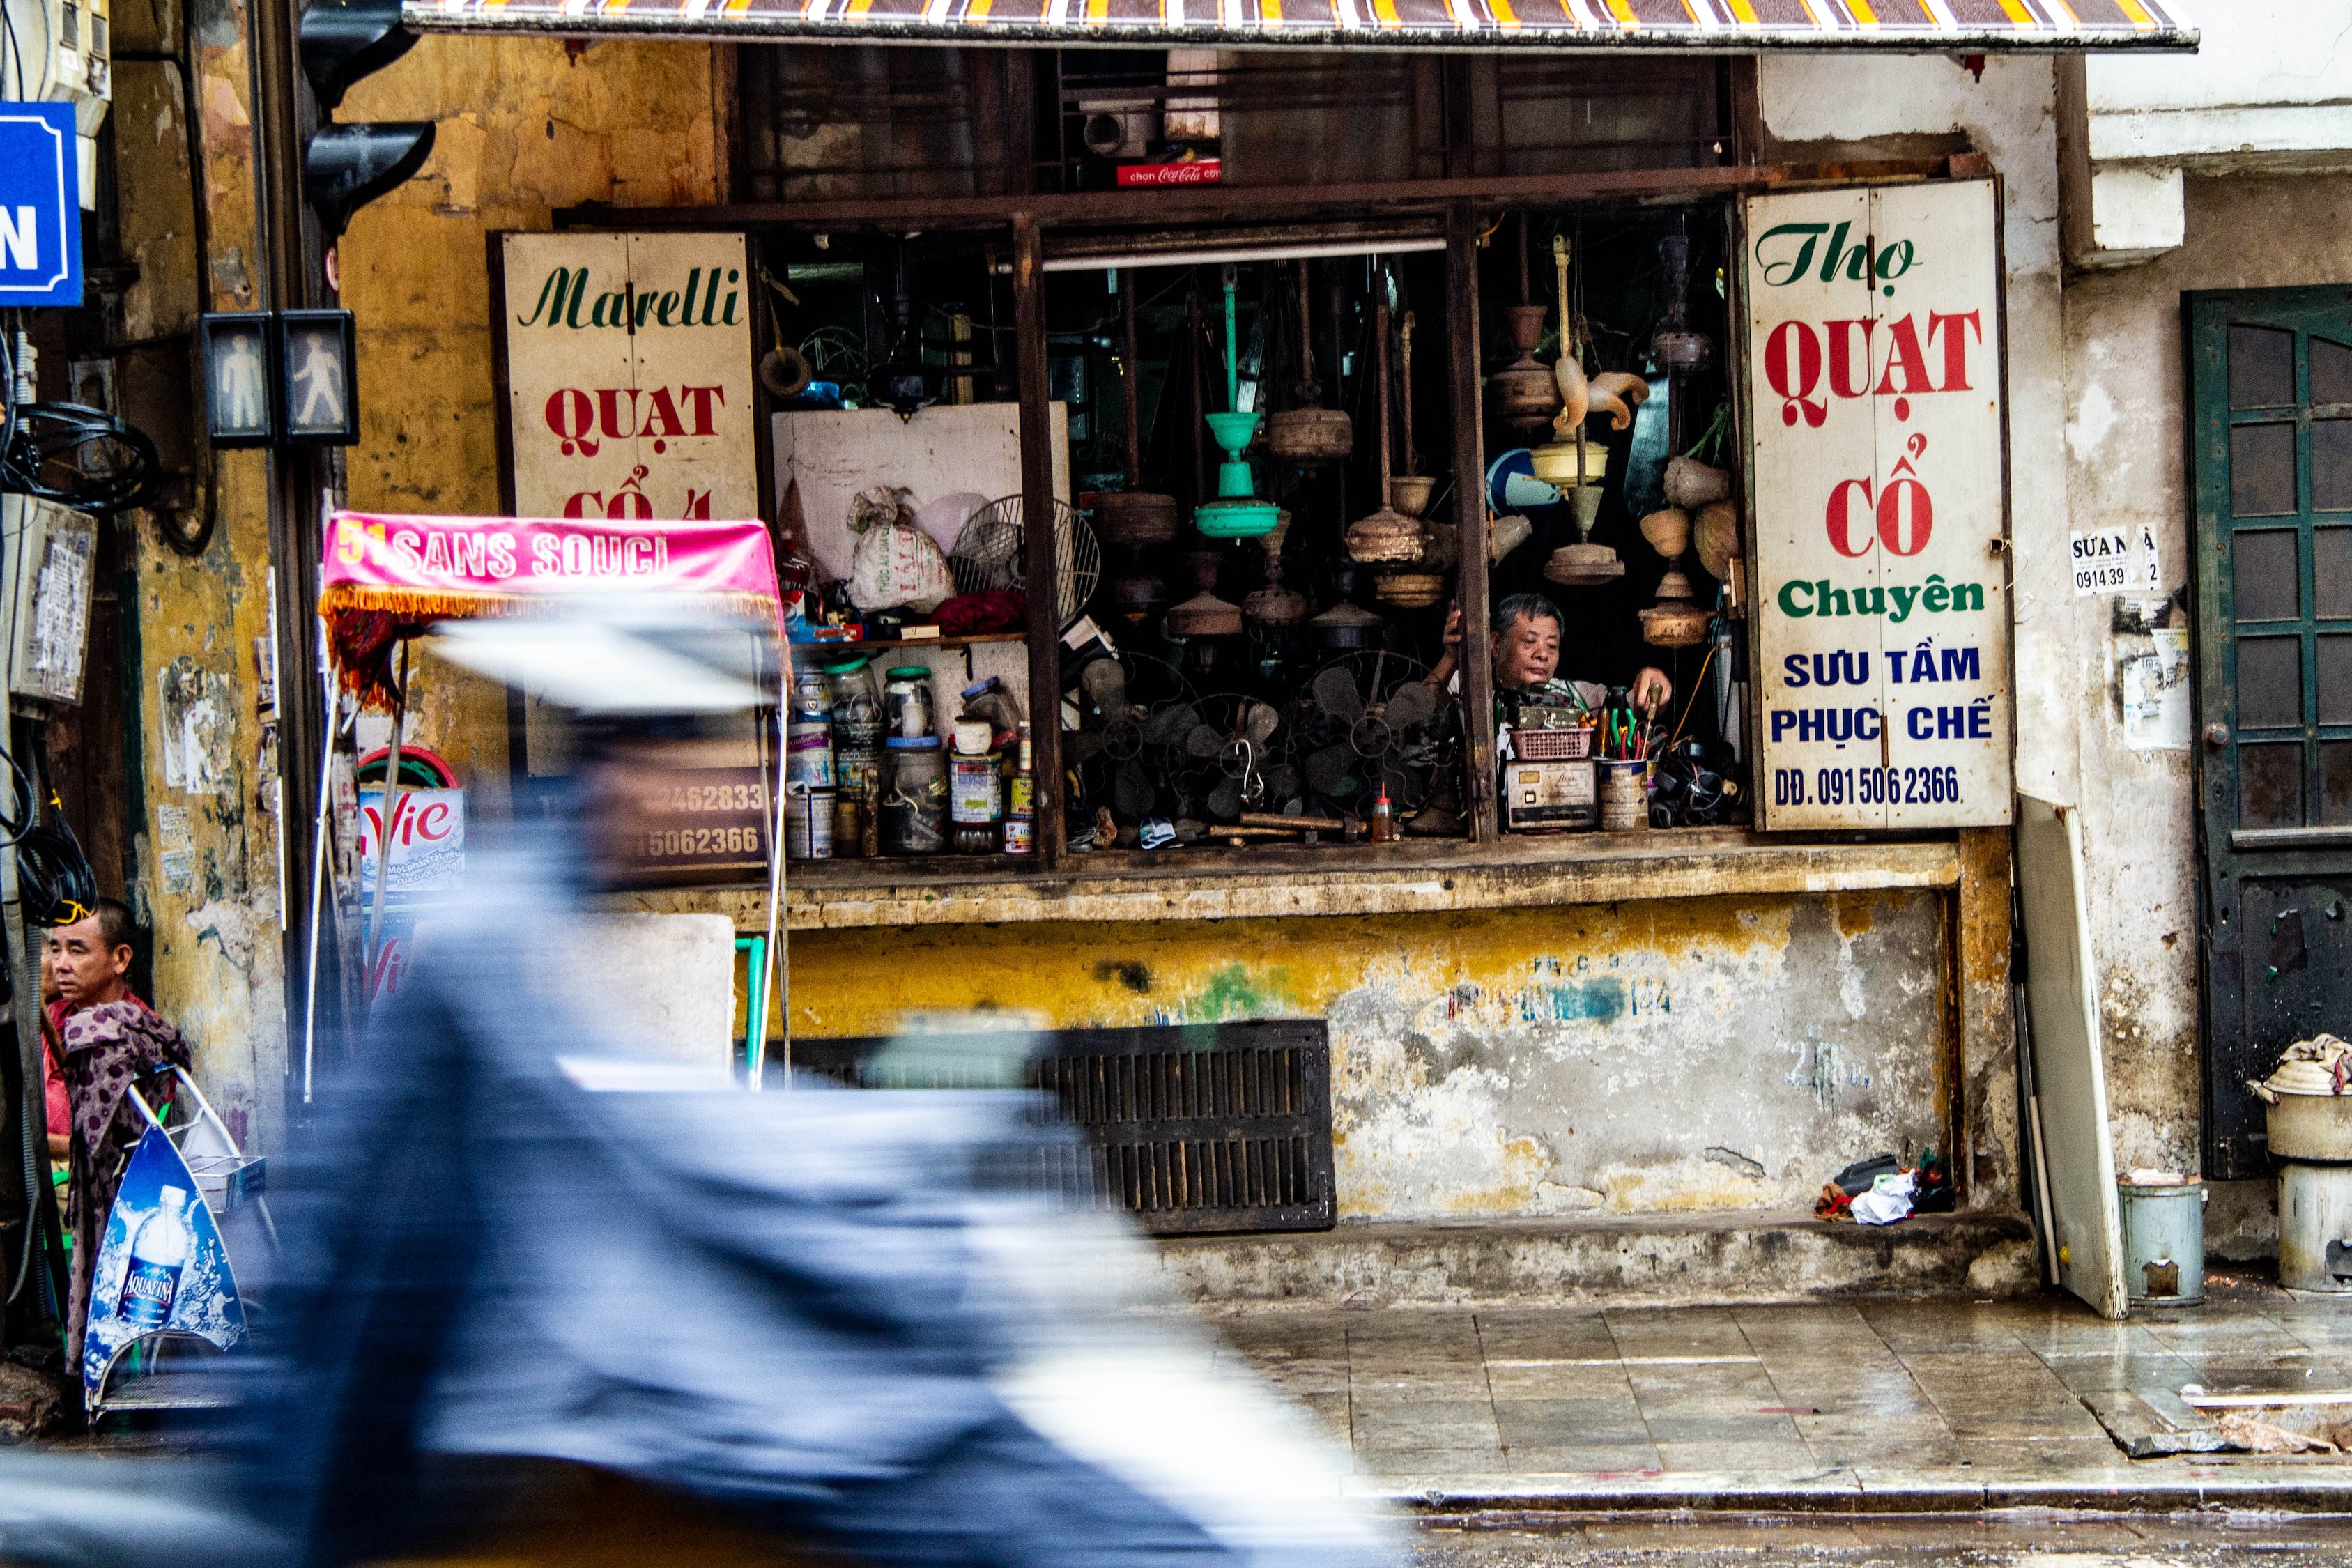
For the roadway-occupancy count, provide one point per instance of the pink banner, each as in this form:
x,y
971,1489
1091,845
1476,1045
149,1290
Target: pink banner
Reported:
x,y
388,577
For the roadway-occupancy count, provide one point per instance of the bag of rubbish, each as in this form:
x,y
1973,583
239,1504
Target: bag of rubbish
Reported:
x,y
895,564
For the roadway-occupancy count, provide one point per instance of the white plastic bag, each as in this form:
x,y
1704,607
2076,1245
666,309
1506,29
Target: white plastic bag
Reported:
x,y
894,564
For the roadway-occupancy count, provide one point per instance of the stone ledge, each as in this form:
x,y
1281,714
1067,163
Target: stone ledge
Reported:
x,y
1616,1260
1411,878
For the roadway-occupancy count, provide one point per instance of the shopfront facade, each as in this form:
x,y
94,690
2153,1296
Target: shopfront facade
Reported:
x,y
1700,1023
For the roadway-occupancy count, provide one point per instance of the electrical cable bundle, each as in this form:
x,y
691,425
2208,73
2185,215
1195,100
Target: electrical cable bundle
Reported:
x,y
81,458
54,878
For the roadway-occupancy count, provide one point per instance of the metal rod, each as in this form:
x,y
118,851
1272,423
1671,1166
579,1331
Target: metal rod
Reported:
x,y
318,896
386,805
40,1197
755,1044
1381,369
1128,382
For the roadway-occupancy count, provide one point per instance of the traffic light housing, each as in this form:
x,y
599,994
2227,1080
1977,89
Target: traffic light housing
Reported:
x,y
348,166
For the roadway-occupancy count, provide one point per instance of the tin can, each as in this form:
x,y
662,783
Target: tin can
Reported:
x,y
1020,836
808,822
1624,796
975,802
808,753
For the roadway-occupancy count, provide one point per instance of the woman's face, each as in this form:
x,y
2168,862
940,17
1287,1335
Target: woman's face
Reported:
x,y
1526,653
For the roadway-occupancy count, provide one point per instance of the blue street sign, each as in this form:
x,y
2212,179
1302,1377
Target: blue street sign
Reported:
x,y
40,206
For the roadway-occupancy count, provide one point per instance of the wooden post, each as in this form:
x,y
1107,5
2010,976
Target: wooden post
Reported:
x,y
1039,531
1462,344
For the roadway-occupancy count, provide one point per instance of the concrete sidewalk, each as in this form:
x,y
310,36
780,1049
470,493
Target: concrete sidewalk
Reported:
x,y
1867,1406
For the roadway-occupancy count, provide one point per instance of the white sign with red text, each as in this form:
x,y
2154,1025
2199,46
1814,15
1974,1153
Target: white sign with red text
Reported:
x,y
428,840
629,372
1876,476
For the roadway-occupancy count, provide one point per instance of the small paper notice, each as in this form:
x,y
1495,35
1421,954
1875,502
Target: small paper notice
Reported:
x,y
2114,561
2155,693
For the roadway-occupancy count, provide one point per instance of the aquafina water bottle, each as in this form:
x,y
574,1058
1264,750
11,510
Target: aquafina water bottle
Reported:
x,y
158,1254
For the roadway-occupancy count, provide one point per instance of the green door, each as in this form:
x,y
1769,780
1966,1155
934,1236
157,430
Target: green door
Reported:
x,y
2271,466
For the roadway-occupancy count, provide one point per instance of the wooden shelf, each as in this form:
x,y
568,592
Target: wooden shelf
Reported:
x,y
976,638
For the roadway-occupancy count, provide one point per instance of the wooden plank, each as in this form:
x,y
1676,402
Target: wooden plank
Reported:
x,y
2062,992
1040,534
1982,1049
1164,207
1470,514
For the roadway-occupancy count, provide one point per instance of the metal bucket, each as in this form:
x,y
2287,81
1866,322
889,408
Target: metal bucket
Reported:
x,y
2164,1243
2316,1227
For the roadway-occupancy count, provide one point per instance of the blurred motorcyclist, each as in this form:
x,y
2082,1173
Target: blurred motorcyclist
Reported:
x,y
541,1295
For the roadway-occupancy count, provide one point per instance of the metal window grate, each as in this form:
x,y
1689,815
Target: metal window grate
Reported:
x,y
1189,1128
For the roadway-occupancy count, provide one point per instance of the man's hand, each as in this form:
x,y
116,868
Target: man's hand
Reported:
x,y
1452,657
1652,690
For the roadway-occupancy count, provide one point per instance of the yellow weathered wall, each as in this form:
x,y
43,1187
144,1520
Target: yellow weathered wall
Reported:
x,y
524,126
206,846
1667,1056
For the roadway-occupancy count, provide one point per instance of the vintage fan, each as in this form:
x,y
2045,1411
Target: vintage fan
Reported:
x,y
1233,760
1135,708
1368,718
991,555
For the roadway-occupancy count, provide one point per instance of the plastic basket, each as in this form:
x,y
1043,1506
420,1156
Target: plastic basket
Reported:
x,y
1552,745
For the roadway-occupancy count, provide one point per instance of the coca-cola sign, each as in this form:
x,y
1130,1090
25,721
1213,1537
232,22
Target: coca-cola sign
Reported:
x,y
629,375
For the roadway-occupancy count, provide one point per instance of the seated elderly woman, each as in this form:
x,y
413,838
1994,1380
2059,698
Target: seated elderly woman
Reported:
x,y
1526,659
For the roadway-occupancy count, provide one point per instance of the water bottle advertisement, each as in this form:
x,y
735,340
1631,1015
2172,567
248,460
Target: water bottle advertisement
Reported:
x,y
162,1265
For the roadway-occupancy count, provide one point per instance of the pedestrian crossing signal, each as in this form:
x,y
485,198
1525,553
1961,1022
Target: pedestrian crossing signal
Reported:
x,y
319,390
280,378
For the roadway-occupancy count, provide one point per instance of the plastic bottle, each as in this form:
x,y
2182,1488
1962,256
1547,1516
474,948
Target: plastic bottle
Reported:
x,y
1384,827
1021,804
159,1254
975,795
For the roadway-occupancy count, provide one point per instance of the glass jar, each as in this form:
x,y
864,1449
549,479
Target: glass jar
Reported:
x,y
914,816
976,802
811,698
907,706
856,705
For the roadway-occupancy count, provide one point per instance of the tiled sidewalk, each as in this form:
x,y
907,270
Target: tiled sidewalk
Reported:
x,y
1910,1396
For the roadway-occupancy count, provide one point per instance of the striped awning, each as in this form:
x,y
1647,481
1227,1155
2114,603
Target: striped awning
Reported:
x,y
1965,27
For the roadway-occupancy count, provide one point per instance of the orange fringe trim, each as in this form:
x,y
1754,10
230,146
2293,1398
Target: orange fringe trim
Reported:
x,y
422,605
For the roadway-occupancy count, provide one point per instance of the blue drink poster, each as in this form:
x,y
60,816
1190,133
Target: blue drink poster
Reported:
x,y
160,1267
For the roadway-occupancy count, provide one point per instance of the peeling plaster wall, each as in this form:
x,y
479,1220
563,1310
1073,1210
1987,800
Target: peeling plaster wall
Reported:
x,y
523,126
1630,1058
2094,384
2125,455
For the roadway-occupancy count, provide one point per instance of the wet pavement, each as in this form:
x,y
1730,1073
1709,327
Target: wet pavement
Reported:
x,y
2234,1541
1964,1403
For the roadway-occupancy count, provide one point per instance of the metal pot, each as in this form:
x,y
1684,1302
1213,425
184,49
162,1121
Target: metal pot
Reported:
x,y
1672,626
1523,394
2312,1127
1345,628
1409,493
1310,435
1205,615
1136,518
1138,596
1410,590
1276,605
1386,538
1580,565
